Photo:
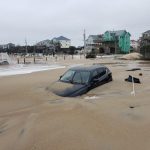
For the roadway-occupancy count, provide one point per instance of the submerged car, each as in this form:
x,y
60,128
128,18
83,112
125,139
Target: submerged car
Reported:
x,y
79,80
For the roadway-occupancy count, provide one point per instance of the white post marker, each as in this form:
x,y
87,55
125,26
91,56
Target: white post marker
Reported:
x,y
133,88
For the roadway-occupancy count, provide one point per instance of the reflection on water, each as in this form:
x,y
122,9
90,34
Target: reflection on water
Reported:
x,y
144,64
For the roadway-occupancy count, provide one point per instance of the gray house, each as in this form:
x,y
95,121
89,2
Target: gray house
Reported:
x,y
145,44
46,45
93,42
7,46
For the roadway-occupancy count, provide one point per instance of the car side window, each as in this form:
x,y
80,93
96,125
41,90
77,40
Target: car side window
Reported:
x,y
85,75
77,78
95,74
102,71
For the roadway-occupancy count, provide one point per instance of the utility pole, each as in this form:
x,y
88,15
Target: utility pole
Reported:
x,y
34,51
26,46
84,38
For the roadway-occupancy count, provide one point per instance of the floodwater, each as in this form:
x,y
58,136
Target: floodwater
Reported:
x,y
26,68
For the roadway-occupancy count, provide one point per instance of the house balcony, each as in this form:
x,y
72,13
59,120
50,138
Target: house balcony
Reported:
x,y
145,43
146,38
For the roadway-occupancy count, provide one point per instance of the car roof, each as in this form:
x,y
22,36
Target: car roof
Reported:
x,y
87,68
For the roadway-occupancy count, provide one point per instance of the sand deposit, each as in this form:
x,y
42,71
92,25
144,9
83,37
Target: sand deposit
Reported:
x,y
132,56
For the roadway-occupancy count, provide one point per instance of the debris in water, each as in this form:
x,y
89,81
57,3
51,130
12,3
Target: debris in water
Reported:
x,y
132,79
134,69
131,107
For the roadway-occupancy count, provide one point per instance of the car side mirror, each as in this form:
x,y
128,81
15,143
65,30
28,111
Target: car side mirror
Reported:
x,y
60,77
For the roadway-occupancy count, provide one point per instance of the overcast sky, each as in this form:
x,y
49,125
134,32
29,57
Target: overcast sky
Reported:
x,y
38,20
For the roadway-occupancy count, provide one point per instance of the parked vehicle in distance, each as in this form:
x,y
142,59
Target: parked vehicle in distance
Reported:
x,y
79,80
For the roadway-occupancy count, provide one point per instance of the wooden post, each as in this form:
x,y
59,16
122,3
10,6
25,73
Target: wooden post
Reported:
x,y
46,58
34,59
64,57
24,60
18,60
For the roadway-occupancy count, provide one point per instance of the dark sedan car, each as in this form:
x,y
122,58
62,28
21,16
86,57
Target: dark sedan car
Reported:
x,y
79,80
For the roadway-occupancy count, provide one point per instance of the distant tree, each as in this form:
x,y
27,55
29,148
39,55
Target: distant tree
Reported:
x,y
72,50
57,46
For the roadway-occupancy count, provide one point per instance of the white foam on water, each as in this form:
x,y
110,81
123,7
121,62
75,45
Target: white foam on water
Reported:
x,y
26,69
5,57
91,97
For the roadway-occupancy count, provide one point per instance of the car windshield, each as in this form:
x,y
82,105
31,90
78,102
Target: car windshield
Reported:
x,y
68,76
79,77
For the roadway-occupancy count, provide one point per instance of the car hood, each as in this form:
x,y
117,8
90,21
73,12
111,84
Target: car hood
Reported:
x,y
65,89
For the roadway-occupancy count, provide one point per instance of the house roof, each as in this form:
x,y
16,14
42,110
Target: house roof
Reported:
x,y
147,32
118,32
61,38
95,37
45,43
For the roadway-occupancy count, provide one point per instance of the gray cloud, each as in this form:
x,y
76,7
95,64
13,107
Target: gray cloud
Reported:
x,y
42,19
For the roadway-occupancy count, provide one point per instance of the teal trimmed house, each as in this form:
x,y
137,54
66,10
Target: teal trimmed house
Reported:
x,y
117,41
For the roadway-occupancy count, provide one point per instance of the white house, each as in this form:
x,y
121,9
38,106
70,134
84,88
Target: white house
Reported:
x,y
134,44
64,42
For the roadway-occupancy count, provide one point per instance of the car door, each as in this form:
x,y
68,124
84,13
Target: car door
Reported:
x,y
95,78
102,74
79,87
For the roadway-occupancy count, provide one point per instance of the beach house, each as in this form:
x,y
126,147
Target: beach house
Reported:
x,y
93,42
117,41
145,44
